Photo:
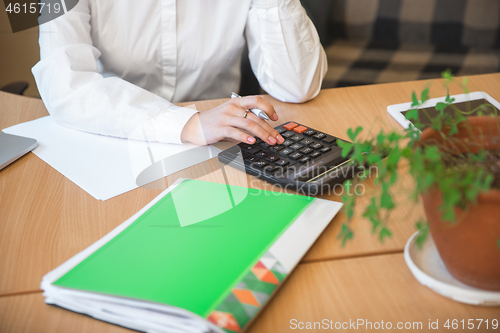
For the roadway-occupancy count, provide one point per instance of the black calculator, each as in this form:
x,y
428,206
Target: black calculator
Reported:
x,y
308,161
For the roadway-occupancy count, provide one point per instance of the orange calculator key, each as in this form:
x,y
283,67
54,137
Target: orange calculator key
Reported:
x,y
300,129
289,126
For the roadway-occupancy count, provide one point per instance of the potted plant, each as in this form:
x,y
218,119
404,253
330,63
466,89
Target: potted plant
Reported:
x,y
455,165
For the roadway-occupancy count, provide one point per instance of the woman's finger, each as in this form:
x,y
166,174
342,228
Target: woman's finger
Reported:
x,y
252,127
268,128
257,102
235,134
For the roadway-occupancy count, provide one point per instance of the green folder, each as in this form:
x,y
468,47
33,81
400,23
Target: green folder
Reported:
x,y
192,248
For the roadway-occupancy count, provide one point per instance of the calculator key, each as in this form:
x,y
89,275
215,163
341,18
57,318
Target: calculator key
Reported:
x,y
306,150
296,137
306,142
258,140
304,159
261,154
290,126
259,164
329,139
309,132
281,162
251,159
315,154
250,149
272,158
287,134
316,145
324,150
300,129
286,152
296,146
276,148
287,143
280,171
270,168
280,130
319,136
295,156
265,145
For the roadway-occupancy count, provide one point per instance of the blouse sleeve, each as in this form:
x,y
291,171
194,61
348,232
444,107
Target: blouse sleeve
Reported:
x,y
284,50
78,96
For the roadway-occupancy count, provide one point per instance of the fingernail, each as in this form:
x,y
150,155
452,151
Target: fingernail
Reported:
x,y
275,117
272,140
251,139
280,139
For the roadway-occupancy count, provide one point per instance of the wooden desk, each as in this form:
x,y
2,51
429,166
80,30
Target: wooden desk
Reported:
x,y
45,219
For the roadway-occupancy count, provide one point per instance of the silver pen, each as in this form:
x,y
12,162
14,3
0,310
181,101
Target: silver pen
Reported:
x,y
258,112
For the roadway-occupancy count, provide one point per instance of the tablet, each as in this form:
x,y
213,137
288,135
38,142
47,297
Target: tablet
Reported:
x,y
462,101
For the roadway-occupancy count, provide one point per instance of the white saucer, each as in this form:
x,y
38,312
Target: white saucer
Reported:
x,y
428,268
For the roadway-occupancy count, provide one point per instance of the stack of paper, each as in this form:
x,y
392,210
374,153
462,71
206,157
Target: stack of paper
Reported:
x,y
106,166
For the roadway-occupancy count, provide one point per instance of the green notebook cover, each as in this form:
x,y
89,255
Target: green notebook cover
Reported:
x,y
191,248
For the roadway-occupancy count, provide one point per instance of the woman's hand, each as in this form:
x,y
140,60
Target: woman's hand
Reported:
x,y
226,121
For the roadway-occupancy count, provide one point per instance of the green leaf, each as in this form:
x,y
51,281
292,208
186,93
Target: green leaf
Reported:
x,y
425,95
348,206
386,201
384,232
440,107
373,158
459,117
412,114
394,157
448,99
372,214
346,147
488,180
453,129
414,99
432,154
352,135
394,177
345,234
451,198
423,231
436,124
380,138
386,198
449,214
447,75
393,137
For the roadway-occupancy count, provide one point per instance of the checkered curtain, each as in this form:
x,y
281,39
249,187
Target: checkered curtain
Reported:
x,y
468,23
379,41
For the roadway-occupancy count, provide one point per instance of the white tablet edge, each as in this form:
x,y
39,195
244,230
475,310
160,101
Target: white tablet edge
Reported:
x,y
396,110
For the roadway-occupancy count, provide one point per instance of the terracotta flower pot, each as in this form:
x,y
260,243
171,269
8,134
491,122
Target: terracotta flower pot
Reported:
x,y
469,247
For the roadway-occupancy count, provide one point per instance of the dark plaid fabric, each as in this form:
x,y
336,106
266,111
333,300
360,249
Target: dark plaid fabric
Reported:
x,y
455,23
379,41
353,63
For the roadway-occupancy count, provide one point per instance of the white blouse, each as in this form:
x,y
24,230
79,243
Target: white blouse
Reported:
x,y
110,66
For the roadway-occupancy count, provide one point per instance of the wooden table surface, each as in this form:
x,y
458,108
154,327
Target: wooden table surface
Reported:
x,y
45,219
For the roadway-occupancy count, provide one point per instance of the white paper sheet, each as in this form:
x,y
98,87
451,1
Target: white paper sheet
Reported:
x,y
105,166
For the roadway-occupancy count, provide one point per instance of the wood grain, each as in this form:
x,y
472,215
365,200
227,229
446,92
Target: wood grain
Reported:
x,y
45,218
29,314
376,288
